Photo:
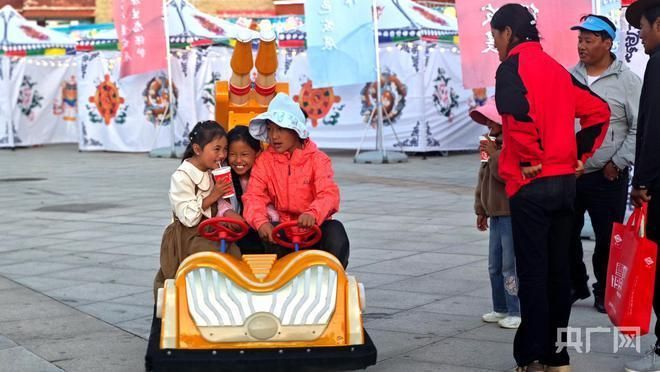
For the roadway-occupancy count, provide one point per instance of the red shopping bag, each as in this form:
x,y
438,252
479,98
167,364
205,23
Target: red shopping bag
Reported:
x,y
631,275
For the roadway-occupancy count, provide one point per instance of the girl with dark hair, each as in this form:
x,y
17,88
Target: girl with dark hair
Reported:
x,y
243,152
541,155
193,196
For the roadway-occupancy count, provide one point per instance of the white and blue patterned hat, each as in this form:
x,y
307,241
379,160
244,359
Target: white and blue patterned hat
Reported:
x,y
282,111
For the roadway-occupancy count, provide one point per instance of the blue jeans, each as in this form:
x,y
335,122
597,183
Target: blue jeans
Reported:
x,y
502,267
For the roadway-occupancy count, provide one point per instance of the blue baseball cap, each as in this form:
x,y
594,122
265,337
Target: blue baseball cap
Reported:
x,y
596,24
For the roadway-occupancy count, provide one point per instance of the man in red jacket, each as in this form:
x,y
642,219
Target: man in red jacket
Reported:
x,y
539,101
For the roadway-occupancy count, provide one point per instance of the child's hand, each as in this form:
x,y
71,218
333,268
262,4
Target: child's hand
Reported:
x,y
306,220
490,147
482,223
266,232
222,188
233,215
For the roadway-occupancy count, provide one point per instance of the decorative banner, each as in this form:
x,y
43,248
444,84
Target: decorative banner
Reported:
x,y
423,96
612,10
478,54
631,50
39,112
317,103
66,102
340,42
141,33
122,119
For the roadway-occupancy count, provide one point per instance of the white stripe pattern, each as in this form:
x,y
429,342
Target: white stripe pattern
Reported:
x,y
308,299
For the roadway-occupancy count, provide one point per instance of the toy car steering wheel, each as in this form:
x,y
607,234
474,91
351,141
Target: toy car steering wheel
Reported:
x,y
216,229
301,237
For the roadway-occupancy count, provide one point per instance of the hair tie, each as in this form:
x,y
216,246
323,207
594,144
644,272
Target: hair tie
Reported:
x,y
192,135
532,22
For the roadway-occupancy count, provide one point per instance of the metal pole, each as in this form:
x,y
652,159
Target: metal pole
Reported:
x,y
379,103
169,80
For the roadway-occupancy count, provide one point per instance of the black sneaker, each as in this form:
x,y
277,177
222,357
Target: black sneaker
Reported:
x,y
579,295
599,304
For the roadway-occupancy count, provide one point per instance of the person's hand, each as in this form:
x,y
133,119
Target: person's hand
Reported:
x,y
579,170
489,147
482,223
266,232
639,197
610,171
531,171
235,216
306,220
220,189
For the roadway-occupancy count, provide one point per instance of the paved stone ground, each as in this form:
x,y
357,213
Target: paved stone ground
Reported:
x,y
80,236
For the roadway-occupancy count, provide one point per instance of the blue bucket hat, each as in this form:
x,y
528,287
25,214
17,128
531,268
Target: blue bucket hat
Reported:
x,y
282,111
596,24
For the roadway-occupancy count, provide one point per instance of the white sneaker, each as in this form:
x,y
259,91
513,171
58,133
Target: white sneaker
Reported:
x,y
493,317
650,363
510,322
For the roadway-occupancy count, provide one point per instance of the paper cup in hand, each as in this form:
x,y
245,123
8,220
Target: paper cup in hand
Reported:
x,y
223,175
482,141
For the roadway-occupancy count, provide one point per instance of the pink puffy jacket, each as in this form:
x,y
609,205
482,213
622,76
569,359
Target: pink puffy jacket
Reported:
x,y
296,183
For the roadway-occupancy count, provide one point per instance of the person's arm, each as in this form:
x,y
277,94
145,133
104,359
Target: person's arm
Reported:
x,y
256,197
594,115
494,165
647,163
513,106
625,155
186,204
326,200
224,206
479,209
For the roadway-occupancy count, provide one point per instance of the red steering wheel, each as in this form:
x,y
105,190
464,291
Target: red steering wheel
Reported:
x,y
300,237
216,229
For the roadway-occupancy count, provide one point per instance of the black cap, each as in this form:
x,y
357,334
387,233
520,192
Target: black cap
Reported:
x,y
636,9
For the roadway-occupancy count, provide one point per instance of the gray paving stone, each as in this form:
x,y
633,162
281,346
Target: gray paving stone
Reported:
x,y
139,327
6,343
372,280
108,350
149,263
398,299
41,284
143,298
106,274
419,264
490,332
86,258
460,305
415,321
433,284
85,246
33,268
115,313
29,254
406,364
92,292
19,359
467,353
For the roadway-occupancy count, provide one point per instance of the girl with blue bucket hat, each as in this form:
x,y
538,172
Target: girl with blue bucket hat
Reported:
x,y
295,177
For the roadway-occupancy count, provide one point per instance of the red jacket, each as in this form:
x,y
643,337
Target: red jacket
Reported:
x,y
539,101
296,183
